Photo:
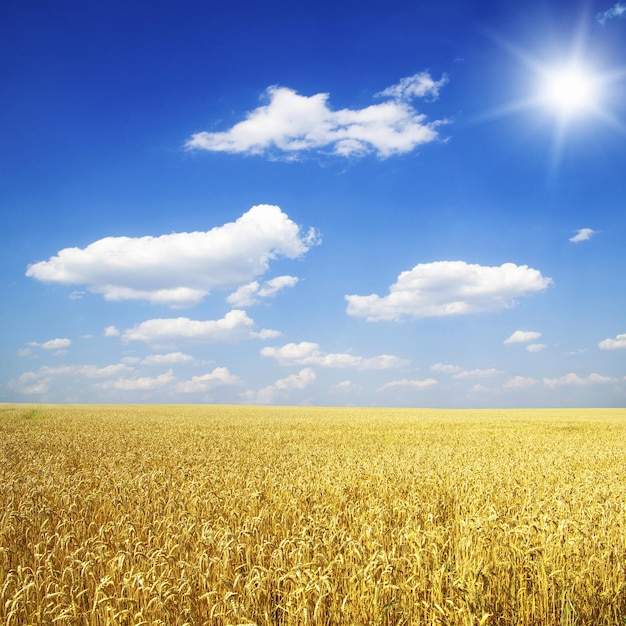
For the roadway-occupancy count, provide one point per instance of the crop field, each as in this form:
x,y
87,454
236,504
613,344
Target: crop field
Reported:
x,y
230,515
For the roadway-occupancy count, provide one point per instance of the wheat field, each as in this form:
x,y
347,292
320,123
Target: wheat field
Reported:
x,y
233,515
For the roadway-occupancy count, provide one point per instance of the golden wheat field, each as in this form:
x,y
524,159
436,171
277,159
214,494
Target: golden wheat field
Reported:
x,y
232,515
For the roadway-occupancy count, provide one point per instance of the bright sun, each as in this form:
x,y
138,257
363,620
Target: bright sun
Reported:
x,y
570,90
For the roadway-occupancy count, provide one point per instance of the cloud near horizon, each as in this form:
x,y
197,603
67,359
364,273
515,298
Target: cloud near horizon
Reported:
x,y
291,124
308,353
281,388
180,269
446,288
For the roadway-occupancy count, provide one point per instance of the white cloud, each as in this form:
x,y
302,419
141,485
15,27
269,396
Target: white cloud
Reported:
x,y
478,373
345,386
281,387
249,294
535,347
233,326
167,359
616,11
291,124
219,376
613,344
308,353
53,344
447,288
442,368
582,234
408,384
420,85
143,383
180,269
523,336
519,382
111,331
574,379
39,382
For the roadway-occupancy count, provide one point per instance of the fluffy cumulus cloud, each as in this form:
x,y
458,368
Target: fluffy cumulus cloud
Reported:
x,y
619,343
616,11
308,353
408,384
234,326
582,234
251,293
446,288
180,269
536,347
574,379
522,336
219,376
290,124
281,388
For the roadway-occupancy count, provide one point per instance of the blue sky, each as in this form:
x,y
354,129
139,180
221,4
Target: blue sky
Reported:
x,y
375,203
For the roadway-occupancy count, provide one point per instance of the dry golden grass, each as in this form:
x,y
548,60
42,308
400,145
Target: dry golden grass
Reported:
x,y
239,515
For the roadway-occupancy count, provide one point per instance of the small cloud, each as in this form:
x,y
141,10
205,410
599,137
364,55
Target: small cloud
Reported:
x,y
478,373
408,384
24,352
618,10
582,234
76,295
219,376
281,388
167,359
143,383
442,368
234,326
53,344
573,379
535,347
345,386
522,336
447,288
308,353
249,294
619,343
519,382
111,331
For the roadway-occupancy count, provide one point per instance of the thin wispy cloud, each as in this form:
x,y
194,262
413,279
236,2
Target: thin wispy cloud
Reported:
x,y
291,125
408,384
618,10
254,292
448,288
180,269
582,234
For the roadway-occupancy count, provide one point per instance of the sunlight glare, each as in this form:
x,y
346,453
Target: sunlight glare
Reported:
x,y
570,90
